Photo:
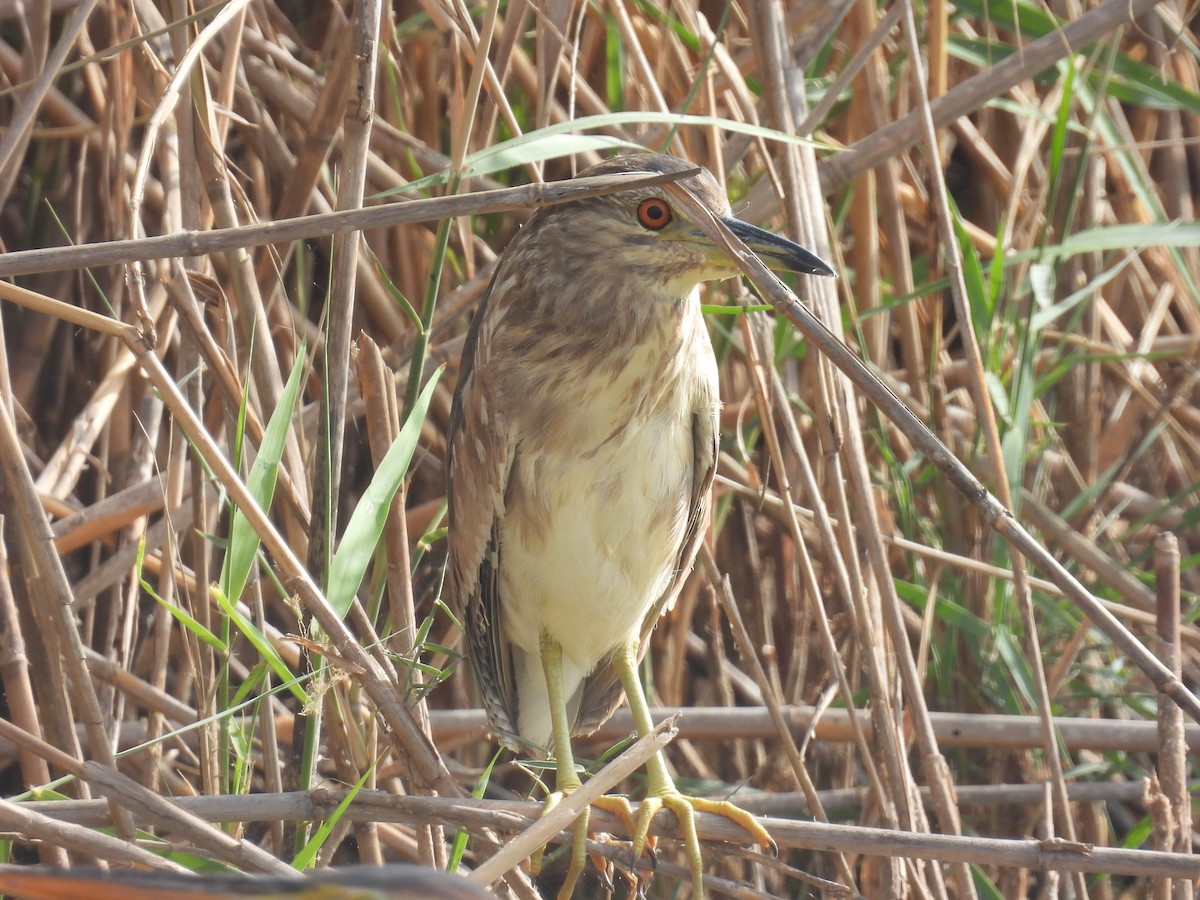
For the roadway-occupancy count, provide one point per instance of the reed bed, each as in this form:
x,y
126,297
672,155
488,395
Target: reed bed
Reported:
x,y
942,634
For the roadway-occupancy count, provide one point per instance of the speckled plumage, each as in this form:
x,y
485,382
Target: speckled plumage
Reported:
x,y
582,445
582,450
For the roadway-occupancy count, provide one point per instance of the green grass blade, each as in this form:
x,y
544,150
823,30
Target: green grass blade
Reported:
x,y
304,859
459,847
243,541
1172,235
548,143
366,523
180,615
264,647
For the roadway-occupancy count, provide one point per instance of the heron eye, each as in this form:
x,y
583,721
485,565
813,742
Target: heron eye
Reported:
x,y
654,213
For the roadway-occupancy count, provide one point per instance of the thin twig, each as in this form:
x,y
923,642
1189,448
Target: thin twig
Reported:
x,y
240,237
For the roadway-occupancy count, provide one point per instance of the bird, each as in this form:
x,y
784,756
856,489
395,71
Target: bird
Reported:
x,y
582,445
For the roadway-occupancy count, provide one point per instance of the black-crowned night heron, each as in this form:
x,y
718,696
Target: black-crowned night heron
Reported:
x,y
582,448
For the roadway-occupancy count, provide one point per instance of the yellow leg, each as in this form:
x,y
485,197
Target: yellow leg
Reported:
x,y
661,790
566,779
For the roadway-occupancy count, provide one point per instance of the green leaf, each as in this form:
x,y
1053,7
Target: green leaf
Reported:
x,y
264,647
984,886
460,837
715,309
1179,235
179,614
1016,664
1048,312
1058,139
243,541
510,155
548,143
397,295
1139,834
366,522
304,859
978,294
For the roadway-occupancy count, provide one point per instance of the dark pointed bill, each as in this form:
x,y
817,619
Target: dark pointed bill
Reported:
x,y
778,252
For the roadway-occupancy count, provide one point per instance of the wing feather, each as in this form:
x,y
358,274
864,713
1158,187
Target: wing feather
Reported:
x,y
479,459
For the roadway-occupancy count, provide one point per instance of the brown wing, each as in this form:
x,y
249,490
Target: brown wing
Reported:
x,y
479,457
601,693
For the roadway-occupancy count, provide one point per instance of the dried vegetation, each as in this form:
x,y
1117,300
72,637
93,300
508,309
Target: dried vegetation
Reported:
x,y
1025,278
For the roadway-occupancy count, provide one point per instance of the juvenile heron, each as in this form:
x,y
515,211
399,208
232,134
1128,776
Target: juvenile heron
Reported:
x,y
581,453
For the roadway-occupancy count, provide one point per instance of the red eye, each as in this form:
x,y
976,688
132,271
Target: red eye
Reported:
x,y
654,213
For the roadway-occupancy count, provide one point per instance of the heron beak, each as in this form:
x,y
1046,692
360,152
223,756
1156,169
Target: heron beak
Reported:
x,y
778,252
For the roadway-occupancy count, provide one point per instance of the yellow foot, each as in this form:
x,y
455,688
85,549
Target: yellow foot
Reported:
x,y
618,806
685,809
579,833
739,816
615,805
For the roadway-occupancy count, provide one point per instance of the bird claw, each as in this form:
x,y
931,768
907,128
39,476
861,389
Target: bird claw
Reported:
x,y
604,869
736,814
641,832
616,805
685,809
